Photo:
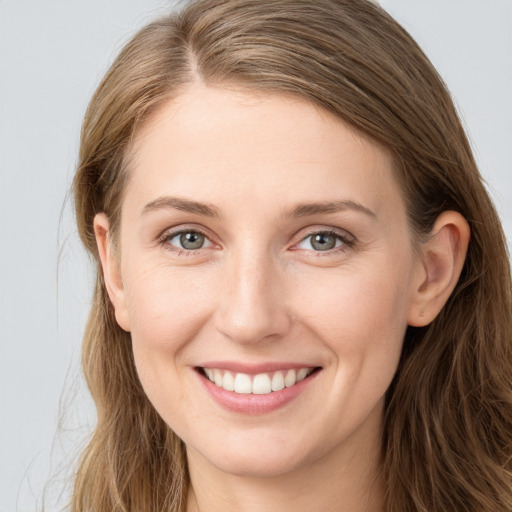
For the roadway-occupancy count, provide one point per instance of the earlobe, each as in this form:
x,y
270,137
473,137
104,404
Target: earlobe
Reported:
x,y
111,270
440,266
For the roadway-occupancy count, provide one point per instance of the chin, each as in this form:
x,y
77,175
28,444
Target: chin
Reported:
x,y
256,466
258,459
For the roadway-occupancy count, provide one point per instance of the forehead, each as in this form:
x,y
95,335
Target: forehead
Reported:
x,y
217,145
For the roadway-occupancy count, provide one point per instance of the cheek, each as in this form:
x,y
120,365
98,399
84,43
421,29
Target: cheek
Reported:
x,y
167,306
358,307
361,317
167,310
360,314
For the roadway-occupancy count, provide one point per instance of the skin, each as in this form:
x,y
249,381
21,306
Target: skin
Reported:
x,y
259,291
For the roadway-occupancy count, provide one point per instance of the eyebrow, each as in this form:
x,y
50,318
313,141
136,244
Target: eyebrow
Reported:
x,y
299,210
184,205
323,207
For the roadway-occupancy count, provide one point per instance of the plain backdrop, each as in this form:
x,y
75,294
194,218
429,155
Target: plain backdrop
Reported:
x,y
52,55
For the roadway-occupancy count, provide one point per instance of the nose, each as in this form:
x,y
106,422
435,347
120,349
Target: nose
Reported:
x,y
252,300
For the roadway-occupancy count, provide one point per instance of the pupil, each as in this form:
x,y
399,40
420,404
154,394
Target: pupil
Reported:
x,y
323,242
191,240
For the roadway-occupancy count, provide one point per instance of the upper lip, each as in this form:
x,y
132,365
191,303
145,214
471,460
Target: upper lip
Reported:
x,y
255,368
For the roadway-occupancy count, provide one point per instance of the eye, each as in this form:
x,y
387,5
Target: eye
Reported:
x,y
188,240
323,241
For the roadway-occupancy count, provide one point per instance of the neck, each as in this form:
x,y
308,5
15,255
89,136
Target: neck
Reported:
x,y
345,480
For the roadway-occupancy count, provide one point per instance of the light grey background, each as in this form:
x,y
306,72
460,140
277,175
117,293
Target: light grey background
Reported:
x,y
52,54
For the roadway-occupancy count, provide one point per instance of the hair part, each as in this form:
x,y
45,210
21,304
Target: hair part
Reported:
x,y
447,440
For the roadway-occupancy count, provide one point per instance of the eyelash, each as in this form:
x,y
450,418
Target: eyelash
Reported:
x,y
347,242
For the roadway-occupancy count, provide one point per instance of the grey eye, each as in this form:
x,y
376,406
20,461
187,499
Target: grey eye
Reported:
x,y
192,240
323,241
189,240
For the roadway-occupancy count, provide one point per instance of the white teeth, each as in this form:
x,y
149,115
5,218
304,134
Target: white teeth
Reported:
x,y
290,379
302,374
217,376
229,382
243,383
260,384
277,381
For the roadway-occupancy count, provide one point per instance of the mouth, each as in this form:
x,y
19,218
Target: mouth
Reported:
x,y
265,383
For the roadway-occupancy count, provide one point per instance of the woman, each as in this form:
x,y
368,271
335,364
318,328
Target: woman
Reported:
x,y
289,312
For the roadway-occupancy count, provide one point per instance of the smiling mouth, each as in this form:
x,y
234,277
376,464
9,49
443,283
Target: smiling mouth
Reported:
x,y
259,384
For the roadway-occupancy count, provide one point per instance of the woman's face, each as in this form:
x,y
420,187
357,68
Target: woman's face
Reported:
x,y
263,241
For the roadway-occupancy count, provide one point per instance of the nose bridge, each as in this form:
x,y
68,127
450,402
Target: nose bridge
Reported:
x,y
252,304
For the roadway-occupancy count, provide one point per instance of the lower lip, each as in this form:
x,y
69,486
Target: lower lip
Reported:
x,y
255,404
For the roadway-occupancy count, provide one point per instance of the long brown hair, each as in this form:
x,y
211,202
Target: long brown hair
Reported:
x,y
447,439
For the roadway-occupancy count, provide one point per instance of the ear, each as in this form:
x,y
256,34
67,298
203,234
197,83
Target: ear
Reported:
x,y
441,262
111,269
